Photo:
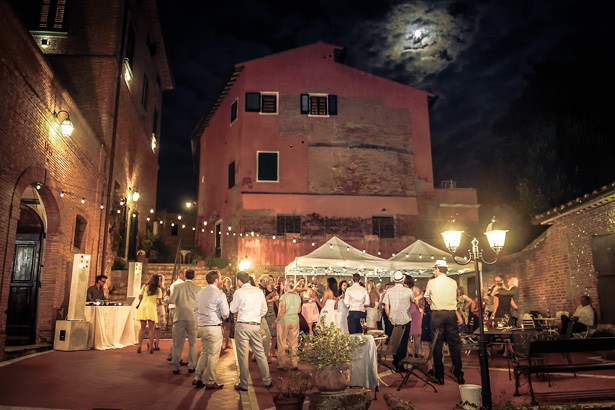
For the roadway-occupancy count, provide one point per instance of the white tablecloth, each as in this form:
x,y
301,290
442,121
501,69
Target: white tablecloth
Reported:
x,y
111,327
364,365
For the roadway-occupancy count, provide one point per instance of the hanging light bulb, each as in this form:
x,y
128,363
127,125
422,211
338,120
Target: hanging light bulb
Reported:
x,y
151,211
83,200
102,206
122,202
62,194
38,185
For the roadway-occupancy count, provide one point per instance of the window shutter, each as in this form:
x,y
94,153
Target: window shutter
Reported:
x,y
269,103
333,105
253,102
305,104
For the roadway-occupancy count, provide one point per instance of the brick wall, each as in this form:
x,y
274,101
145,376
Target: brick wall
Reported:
x,y
557,268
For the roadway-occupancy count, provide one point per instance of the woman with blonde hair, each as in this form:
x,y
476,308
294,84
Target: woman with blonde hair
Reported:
x,y
227,289
371,319
150,297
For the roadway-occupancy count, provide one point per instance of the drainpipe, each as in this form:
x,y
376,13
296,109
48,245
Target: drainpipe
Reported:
x,y
118,87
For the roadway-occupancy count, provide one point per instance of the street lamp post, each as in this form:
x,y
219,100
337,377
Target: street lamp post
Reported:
x,y
496,240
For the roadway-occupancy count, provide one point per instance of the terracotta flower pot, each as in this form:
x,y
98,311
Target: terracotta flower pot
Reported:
x,y
288,403
333,379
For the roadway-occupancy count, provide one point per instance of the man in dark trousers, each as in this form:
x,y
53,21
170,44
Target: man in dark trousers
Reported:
x,y
397,302
442,291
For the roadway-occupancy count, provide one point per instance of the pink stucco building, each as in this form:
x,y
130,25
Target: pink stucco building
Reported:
x,y
300,147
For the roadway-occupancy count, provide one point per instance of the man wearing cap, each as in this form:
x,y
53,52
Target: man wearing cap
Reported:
x,y
443,293
397,302
250,305
356,300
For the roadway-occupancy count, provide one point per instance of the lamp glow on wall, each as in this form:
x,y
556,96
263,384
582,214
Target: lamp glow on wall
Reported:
x,y
244,263
66,125
135,194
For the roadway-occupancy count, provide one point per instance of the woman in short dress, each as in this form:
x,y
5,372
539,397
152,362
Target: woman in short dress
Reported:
x,y
417,317
371,319
150,297
309,310
227,323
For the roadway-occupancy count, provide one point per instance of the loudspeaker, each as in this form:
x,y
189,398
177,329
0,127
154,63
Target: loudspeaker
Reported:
x,y
135,270
71,335
78,287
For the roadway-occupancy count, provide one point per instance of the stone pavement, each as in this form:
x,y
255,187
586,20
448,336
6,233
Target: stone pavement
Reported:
x,y
123,379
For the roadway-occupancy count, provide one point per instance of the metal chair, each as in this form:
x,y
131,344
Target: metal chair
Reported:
x,y
392,346
412,363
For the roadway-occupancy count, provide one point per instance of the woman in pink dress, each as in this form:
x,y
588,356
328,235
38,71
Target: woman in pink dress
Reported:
x,y
309,310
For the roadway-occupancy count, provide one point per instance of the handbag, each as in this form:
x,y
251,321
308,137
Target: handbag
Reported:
x,y
138,304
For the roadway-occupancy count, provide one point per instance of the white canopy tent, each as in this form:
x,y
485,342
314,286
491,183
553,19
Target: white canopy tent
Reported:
x,y
418,260
337,258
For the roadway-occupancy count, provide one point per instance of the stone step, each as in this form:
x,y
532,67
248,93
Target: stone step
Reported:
x,y
13,352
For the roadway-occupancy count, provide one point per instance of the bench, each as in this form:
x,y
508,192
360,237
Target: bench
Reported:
x,y
540,348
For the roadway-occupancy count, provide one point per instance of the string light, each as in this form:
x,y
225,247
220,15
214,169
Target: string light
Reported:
x,y
83,200
102,206
62,194
38,185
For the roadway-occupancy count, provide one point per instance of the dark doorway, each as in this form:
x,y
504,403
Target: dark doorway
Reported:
x,y
23,296
603,249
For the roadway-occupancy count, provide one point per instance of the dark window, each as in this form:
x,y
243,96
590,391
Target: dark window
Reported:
x,y
233,111
80,224
130,47
383,226
174,230
218,240
289,224
267,166
155,123
265,103
269,103
253,102
319,104
52,15
145,92
231,174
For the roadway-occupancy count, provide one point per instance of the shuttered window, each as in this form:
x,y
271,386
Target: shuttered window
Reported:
x,y
52,16
266,103
318,104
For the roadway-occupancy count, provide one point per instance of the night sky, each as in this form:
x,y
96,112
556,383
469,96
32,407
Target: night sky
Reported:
x,y
472,54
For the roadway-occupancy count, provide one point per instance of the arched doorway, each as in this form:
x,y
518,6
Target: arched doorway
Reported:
x,y
25,270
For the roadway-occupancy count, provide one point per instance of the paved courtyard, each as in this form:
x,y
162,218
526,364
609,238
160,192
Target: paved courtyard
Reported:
x,y
123,379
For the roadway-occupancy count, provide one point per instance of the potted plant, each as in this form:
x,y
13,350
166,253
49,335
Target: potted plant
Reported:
x,y
329,351
290,393
141,256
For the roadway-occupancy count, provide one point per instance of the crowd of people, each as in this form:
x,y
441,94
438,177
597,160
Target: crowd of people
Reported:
x,y
268,317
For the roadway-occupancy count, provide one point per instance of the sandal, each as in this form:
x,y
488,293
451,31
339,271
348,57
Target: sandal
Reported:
x,y
139,349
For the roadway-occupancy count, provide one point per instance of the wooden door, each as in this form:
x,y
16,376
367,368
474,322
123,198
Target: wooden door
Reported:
x,y
23,296
603,250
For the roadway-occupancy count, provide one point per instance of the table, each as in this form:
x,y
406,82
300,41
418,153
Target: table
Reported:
x,y
364,364
111,327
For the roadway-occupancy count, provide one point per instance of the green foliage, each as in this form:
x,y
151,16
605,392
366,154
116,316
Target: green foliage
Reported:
x,y
219,263
148,241
327,346
119,264
293,385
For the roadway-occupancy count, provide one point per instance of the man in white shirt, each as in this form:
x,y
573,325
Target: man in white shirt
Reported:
x,y
182,297
443,293
356,300
210,308
250,305
181,277
582,318
397,302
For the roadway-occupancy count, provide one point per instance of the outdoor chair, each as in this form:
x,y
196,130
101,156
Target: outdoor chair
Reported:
x,y
412,363
521,346
392,346
469,342
583,334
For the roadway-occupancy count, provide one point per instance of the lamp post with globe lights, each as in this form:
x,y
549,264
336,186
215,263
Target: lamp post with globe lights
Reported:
x,y
496,238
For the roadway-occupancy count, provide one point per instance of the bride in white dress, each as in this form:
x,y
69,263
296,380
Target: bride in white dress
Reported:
x,y
327,305
342,310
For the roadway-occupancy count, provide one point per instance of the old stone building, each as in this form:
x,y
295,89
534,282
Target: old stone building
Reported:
x,y
300,147
102,67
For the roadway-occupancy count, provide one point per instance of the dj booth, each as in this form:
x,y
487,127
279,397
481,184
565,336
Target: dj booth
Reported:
x,y
110,327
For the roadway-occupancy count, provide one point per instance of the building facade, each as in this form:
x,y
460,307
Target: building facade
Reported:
x,y
102,66
300,147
